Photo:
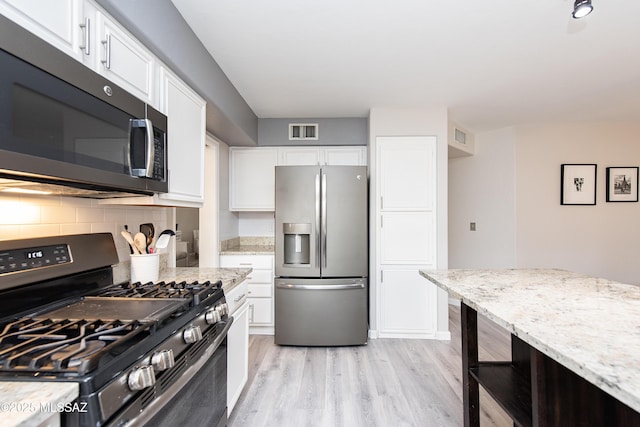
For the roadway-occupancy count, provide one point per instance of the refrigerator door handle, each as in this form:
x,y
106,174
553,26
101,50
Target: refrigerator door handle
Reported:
x,y
324,220
321,287
318,243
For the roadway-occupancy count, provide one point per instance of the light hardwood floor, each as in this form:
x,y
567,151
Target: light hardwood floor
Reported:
x,y
388,382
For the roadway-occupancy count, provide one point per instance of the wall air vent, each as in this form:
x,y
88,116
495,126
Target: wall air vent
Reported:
x,y
460,136
303,131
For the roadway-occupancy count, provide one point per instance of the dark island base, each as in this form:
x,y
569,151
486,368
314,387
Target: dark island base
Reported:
x,y
533,389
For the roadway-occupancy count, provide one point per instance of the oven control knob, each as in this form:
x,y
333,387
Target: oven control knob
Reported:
x,y
163,360
141,378
224,308
192,334
212,316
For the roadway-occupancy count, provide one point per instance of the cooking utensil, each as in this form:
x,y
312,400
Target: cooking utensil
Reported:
x,y
163,239
140,241
129,239
148,230
162,242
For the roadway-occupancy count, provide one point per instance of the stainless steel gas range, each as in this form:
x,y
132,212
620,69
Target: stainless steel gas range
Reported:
x,y
141,353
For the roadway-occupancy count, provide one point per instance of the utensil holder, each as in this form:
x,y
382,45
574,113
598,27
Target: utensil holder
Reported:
x,y
145,268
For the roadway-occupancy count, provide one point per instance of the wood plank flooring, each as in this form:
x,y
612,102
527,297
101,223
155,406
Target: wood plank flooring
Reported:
x,y
388,382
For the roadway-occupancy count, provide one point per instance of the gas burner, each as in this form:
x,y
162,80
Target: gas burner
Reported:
x,y
195,291
66,346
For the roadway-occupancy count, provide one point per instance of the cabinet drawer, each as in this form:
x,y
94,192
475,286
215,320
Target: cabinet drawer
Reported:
x,y
247,261
260,276
261,290
237,296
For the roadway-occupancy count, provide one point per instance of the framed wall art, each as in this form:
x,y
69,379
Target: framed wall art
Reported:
x,y
622,184
578,184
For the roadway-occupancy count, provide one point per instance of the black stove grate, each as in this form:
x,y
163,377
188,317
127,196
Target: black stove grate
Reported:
x,y
195,291
63,346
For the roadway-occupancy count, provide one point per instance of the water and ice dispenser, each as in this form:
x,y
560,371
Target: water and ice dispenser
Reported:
x,y
297,241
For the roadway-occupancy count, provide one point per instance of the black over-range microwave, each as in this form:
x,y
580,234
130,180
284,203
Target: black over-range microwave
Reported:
x,y
65,127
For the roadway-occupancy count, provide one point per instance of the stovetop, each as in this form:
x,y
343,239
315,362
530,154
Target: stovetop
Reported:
x,y
81,335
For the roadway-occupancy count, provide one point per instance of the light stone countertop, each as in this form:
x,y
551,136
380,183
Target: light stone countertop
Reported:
x,y
248,246
32,403
589,325
230,277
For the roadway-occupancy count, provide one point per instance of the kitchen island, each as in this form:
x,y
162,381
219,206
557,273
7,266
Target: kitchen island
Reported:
x,y
575,344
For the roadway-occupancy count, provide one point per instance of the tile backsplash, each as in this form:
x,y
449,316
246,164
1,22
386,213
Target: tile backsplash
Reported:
x,y
25,216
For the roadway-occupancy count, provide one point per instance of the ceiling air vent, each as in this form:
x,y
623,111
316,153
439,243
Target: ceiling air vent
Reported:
x,y
460,136
303,131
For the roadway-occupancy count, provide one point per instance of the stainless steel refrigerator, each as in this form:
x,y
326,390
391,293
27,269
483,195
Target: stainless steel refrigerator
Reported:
x,y
321,264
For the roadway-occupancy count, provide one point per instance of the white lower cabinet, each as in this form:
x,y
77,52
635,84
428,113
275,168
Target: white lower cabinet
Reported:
x,y
260,292
407,304
237,343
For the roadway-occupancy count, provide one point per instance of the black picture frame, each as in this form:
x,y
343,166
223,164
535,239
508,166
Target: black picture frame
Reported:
x,y
578,184
622,184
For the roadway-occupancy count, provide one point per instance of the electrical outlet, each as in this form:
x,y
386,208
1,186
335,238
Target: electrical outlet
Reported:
x,y
472,226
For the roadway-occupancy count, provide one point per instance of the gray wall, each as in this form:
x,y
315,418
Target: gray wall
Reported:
x,y
159,25
338,131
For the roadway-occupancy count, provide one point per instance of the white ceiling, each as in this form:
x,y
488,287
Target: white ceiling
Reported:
x,y
492,63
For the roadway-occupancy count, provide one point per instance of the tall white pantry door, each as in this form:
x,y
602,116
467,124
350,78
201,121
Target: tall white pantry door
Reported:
x,y
406,222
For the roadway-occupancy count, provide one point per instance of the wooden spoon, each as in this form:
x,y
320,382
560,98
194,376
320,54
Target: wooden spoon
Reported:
x,y
140,241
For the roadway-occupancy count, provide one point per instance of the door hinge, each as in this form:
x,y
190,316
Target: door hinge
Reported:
x,y
381,276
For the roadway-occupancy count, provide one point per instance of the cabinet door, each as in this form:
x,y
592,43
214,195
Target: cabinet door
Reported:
x,y
299,156
237,355
261,311
185,112
56,22
407,238
252,179
347,156
408,304
124,60
406,168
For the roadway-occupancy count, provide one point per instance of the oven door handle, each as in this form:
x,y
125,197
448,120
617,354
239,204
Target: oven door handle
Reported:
x,y
169,394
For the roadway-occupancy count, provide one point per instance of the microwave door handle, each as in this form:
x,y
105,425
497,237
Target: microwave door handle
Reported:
x,y
150,149
135,169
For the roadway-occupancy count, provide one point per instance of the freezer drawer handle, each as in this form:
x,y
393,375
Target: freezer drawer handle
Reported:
x,y
321,287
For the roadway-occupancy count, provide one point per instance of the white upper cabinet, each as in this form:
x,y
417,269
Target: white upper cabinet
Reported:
x,y
82,31
124,60
252,179
348,156
334,156
409,181
58,22
252,173
185,112
299,156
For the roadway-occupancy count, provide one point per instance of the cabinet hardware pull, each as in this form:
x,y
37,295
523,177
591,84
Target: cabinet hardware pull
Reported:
x,y
86,27
239,297
107,52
